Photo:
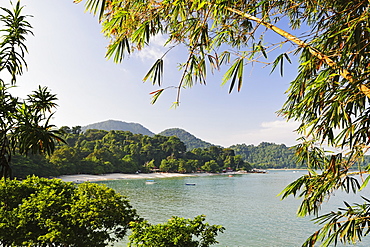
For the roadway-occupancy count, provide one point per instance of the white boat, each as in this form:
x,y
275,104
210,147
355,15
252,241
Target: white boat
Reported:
x,y
150,182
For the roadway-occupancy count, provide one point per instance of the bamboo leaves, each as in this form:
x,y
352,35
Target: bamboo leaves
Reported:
x,y
235,75
155,73
97,7
117,49
348,225
155,95
280,60
364,184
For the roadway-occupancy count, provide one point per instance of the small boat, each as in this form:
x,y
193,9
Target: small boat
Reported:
x,y
150,182
190,184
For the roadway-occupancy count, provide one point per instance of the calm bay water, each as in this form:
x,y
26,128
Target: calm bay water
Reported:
x,y
246,205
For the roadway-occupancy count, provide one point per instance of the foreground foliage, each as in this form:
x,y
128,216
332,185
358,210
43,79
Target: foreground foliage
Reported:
x,y
330,97
176,232
50,212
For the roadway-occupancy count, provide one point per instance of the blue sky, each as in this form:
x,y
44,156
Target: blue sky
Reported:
x,y
67,54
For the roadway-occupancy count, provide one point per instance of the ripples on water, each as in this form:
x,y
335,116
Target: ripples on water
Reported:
x,y
246,205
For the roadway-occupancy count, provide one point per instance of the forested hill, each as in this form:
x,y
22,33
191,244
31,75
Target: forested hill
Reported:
x,y
108,125
188,139
98,152
267,155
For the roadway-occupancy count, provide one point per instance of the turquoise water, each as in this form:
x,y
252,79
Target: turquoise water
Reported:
x,y
246,205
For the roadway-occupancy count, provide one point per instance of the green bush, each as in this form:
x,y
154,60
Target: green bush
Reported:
x,y
50,212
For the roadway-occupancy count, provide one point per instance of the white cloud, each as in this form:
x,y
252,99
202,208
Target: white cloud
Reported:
x,y
279,132
154,51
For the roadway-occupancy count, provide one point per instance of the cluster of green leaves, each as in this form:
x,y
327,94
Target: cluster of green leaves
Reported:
x,y
24,124
348,225
176,232
50,212
100,151
203,27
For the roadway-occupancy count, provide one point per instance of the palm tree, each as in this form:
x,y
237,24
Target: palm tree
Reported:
x,y
24,124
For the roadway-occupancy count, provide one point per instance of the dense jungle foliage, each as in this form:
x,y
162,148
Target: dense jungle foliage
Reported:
x,y
267,155
100,151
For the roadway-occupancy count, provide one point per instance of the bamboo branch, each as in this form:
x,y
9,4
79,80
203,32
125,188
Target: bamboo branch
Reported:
x,y
342,71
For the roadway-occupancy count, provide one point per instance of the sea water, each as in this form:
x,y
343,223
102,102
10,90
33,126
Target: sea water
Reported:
x,y
247,205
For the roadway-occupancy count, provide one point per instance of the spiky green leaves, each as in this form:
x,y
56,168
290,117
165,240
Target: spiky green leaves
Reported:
x,y
235,75
348,225
12,46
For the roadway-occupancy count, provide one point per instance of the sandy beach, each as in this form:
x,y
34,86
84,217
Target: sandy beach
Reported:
x,y
79,178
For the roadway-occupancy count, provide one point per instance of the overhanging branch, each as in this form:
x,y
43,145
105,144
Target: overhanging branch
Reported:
x,y
342,71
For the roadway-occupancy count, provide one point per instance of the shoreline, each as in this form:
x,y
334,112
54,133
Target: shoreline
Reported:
x,y
80,178
286,169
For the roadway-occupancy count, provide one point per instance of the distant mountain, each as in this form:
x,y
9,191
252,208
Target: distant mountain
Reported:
x,y
190,140
119,125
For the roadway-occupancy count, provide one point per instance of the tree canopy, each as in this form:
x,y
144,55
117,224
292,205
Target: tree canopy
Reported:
x,y
176,232
329,96
50,212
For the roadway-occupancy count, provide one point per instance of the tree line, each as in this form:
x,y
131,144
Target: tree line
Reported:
x,y
99,152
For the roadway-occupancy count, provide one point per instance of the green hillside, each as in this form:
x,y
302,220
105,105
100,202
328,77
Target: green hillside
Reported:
x,y
267,155
188,139
108,125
